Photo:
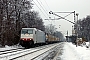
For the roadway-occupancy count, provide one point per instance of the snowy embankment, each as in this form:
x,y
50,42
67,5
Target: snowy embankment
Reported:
x,y
71,52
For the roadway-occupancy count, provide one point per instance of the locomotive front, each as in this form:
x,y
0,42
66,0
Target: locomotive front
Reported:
x,y
26,38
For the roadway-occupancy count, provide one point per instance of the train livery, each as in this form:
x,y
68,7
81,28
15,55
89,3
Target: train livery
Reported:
x,y
32,36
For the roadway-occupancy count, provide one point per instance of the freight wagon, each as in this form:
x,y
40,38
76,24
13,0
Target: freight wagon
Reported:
x,y
51,39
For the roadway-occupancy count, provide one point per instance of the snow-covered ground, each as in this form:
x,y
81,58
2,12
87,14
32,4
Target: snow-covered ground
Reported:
x,y
71,52
10,47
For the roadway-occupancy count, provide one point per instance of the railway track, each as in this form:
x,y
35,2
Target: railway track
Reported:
x,y
40,53
10,51
50,54
23,54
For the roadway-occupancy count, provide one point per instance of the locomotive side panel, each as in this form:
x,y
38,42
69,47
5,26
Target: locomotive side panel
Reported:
x,y
40,36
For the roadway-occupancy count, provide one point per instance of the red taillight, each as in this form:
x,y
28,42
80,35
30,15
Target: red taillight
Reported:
x,y
26,39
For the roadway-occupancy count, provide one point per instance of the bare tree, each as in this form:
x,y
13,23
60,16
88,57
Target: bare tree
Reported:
x,y
32,19
10,18
50,29
84,28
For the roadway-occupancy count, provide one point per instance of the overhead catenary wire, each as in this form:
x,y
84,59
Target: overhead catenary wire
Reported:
x,y
40,10
47,5
50,10
42,6
61,17
65,16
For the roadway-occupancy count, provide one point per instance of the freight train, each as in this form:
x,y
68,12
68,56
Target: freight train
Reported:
x,y
32,36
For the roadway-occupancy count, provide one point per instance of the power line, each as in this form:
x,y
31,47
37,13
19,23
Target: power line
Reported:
x,y
45,8
61,17
40,10
66,15
42,7
47,5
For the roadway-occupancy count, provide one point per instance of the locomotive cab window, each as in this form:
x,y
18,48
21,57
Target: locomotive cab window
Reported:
x,y
25,31
30,31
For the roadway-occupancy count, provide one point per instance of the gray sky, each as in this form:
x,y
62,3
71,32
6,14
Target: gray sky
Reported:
x,y
79,6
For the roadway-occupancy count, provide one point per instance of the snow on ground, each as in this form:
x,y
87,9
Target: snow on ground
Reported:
x,y
10,47
71,52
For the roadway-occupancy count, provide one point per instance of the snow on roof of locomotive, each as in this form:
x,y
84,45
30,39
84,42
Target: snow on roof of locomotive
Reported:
x,y
28,28
32,28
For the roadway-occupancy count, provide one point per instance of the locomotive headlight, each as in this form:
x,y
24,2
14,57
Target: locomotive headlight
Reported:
x,y
30,39
22,39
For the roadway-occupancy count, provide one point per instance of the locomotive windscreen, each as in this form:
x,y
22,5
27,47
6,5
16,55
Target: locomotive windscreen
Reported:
x,y
27,31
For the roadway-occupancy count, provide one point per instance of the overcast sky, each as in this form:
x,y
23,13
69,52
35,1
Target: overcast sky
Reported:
x,y
82,7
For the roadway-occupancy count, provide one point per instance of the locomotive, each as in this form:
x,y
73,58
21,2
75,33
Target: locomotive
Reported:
x,y
31,36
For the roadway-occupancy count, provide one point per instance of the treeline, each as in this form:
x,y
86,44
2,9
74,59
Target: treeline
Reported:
x,y
15,14
84,28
